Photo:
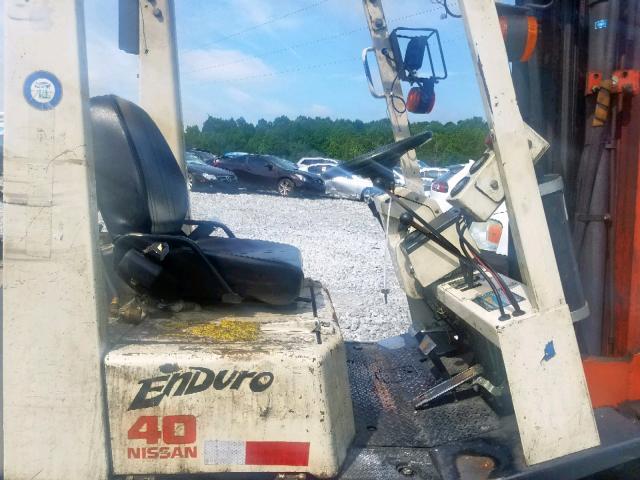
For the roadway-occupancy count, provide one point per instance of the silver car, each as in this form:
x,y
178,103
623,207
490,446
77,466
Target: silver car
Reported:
x,y
341,183
305,162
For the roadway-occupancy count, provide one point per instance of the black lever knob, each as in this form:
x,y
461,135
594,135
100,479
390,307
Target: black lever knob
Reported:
x,y
406,219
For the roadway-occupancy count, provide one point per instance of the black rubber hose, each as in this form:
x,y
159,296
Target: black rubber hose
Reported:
x,y
503,313
427,230
437,235
517,311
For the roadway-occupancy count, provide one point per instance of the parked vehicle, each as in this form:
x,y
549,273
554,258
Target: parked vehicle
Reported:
x,y
272,173
207,157
429,174
398,177
490,235
205,177
341,183
305,162
442,185
235,154
318,169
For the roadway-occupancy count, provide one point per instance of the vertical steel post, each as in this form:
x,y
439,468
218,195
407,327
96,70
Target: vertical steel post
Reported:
x,y
526,216
399,121
550,397
53,410
159,72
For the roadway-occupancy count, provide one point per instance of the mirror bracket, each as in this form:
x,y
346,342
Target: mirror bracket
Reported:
x,y
418,48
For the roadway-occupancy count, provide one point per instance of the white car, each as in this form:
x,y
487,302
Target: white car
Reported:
x,y
429,174
339,182
398,177
442,185
305,162
318,168
491,235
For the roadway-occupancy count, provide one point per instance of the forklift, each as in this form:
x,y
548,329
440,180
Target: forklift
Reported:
x,y
166,347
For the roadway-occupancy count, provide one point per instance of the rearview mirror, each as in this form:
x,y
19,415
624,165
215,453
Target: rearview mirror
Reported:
x,y
269,166
422,50
414,54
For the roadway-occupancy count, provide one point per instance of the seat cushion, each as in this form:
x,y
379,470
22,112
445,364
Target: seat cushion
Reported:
x,y
254,269
266,271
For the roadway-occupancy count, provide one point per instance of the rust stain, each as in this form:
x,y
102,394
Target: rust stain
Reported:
x,y
476,467
377,369
383,393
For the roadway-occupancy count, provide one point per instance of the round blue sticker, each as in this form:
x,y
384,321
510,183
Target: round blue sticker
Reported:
x,y
42,90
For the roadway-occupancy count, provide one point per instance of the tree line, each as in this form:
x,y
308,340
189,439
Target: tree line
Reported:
x,y
340,139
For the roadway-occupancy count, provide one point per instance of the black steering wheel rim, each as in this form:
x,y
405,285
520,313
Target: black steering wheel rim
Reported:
x,y
378,164
392,152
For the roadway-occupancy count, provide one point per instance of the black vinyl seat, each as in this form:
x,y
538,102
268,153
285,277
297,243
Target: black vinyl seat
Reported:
x,y
143,199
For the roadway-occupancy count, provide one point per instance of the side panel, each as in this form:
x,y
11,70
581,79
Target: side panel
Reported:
x,y
52,388
612,381
216,413
278,402
548,386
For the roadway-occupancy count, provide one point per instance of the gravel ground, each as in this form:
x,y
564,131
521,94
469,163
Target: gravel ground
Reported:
x,y
342,246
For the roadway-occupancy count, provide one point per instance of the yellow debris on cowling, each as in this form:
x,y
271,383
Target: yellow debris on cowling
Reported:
x,y
223,331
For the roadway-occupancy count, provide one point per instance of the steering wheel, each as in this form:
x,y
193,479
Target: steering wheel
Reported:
x,y
378,164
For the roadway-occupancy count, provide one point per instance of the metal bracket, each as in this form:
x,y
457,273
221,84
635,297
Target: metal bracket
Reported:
x,y
626,81
468,375
587,217
367,72
622,81
488,386
594,79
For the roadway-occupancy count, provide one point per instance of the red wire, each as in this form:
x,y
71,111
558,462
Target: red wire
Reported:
x,y
492,272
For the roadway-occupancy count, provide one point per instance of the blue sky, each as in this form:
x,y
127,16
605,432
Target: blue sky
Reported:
x,y
231,67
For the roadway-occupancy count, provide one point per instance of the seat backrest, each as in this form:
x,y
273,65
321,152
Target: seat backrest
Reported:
x,y
139,184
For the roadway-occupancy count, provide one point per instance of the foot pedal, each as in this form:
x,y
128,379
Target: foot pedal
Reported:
x,y
421,401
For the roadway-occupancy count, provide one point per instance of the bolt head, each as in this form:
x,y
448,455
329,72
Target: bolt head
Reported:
x,y
406,471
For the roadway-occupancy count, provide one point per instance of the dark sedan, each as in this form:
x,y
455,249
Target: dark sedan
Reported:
x,y
268,172
207,157
205,177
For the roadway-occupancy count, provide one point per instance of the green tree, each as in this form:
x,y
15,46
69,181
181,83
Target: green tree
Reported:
x,y
341,139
